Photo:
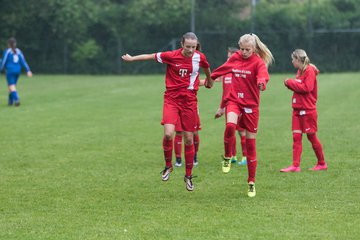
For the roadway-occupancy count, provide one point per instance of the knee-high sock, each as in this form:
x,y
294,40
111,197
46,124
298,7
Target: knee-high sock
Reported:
x,y
196,142
168,147
243,145
251,158
297,149
178,145
10,99
189,159
234,152
229,135
318,149
15,96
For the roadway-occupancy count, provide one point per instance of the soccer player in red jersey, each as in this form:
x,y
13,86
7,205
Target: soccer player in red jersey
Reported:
x,y
249,67
304,116
180,100
226,83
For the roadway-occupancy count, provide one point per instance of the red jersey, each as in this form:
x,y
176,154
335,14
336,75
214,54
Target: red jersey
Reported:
x,y
226,83
182,72
247,75
305,89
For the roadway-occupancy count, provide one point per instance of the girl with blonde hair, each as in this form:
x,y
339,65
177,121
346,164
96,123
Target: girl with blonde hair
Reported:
x,y
250,76
304,116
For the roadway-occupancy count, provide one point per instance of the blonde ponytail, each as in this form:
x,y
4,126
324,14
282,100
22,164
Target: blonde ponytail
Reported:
x,y
301,55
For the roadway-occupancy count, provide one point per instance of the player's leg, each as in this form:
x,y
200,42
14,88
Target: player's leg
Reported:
x,y
13,95
229,136
178,143
310,124
297,144
170,116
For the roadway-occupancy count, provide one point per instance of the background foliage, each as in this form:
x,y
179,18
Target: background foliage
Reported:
x,y
89,36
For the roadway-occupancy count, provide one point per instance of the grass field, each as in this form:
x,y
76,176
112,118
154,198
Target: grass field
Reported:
x,y
81,159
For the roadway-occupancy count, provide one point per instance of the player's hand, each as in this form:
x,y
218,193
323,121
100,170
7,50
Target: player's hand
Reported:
x,y
127,58
208,84
261,87
29,74
219,112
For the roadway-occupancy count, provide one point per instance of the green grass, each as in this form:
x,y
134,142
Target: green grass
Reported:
x,y
80,159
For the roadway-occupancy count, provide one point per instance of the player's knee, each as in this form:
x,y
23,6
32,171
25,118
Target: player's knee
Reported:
x,y
230,130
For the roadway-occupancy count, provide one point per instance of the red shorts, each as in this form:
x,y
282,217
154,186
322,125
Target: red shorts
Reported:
x,y
183,110
178,127
304,121
248,117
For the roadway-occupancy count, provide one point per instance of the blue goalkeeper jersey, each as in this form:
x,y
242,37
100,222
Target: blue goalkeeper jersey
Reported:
x,y
13,62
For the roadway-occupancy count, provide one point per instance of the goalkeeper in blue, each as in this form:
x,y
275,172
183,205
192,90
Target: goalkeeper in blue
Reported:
x,y
13,61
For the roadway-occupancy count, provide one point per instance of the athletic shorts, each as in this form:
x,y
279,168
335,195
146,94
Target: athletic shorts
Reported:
x,y
248,117
178,127
304,121
12,78
183,110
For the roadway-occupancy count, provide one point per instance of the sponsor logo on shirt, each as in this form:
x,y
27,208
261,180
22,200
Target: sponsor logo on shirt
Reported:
x,y
182,72
240,95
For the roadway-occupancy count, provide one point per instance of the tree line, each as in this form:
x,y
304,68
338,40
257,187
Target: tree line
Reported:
x,y
89,36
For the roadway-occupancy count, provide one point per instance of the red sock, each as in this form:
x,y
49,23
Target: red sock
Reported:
x,y
297,149
234,152
168,147
196,142
189,159
229,135
251,158
317,148
178,145
243,145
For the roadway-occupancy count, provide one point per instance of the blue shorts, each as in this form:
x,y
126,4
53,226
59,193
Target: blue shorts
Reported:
x,y
12,78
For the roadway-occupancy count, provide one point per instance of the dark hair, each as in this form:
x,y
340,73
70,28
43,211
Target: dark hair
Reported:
x,y
198,46
12,44
189,35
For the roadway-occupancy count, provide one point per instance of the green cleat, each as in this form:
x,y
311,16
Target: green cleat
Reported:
x,y
234,159
226,165
251,189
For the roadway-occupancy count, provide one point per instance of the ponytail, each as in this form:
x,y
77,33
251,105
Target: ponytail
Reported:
x,y
12,44
301,55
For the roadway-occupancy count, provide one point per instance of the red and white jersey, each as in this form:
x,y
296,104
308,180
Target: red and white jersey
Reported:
x,y
305,89
247,75
182,72
226,83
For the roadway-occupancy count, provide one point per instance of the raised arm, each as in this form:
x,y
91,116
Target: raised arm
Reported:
x,y
142,57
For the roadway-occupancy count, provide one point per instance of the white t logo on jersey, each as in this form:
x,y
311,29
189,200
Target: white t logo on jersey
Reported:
x,y
182,72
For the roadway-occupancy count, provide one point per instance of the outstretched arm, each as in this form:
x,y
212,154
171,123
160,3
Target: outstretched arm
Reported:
x,y
142,57
208,82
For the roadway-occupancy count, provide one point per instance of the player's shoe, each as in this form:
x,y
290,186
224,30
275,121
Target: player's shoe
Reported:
x,y
165,174
195,160
17,103
234,159
243,161
319,167
290,169
178,162
251,189
188,183
226,165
